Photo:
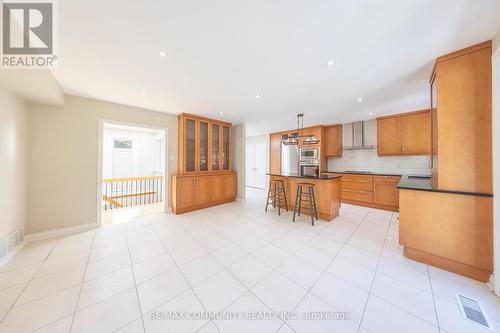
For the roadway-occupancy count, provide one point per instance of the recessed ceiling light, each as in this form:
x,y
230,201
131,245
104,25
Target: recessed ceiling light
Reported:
x,y
163,54
360,99
257,96
144,92
331,62
221,112
370,113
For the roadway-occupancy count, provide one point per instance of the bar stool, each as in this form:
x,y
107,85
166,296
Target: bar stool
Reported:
x,y
307,197
276,194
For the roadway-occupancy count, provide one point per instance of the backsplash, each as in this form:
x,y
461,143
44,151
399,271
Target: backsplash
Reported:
x,y
368,160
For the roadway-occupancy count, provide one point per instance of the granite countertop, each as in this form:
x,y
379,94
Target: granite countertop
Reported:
x,y
296,175
424,184
373,173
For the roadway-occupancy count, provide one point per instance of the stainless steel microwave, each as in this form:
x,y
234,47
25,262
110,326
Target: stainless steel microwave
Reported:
x,y
309,154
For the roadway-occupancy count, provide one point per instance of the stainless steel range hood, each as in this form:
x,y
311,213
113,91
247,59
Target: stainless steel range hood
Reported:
x,y
359,135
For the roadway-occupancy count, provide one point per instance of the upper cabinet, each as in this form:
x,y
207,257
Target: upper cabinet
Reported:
x,y
404,134
275,153
204,145
332,141
461,103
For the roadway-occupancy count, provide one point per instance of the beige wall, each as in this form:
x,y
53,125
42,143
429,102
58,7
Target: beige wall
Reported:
x,y
13,163
63,158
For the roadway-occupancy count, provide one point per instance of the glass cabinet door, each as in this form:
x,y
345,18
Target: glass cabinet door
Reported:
x,y
215,147
225,148
203,135
190,145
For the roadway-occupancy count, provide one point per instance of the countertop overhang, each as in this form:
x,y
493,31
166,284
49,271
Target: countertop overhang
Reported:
x,y
424,184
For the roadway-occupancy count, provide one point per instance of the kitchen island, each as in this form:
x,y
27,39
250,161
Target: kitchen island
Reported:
x,y
326,189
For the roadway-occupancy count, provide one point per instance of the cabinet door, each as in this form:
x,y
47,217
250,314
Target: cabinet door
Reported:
x,y
229,186
216,146
190,146
416,133
385,190
389,136
185,192
226,147
203,156
275,141
216,188
202,193
333,141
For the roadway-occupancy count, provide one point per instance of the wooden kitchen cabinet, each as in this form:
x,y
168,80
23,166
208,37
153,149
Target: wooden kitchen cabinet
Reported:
x,y
377,191
404,134
205,177
201,191
332,141
385,191
204,145
275,153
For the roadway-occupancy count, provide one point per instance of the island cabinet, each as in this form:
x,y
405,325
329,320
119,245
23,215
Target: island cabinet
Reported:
x,y
205,177
332,139
404,134
194,192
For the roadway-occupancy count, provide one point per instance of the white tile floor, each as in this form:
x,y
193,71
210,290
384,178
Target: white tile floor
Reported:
x,y
237,259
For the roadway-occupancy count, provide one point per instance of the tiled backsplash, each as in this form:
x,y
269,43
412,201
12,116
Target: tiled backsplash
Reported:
x,y
367,160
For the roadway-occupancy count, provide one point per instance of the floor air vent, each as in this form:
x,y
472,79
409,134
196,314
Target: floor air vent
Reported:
x,y
473,311
10,242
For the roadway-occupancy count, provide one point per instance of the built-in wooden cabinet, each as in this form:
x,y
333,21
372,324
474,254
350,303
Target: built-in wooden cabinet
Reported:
x,y
201,191
205,178
461,95
332,141
204,145
368,190
404,134
275,153
385,190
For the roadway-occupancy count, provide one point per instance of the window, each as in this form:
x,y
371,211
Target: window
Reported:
x,y
122,144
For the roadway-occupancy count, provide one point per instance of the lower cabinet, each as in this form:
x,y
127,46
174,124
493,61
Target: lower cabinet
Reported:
x,y
372,191
190,192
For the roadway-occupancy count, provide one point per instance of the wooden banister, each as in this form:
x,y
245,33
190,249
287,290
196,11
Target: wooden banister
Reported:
x,y
128,179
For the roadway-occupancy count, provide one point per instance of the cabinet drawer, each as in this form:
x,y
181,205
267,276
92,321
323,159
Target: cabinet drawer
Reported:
x,y
357,178
386,179
355,185
354,195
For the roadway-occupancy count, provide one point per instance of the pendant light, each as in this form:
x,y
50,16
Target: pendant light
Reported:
x,y
293,139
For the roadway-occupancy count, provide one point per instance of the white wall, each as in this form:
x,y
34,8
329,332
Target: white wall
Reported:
x,y
13,163
367,159
147,153
63,155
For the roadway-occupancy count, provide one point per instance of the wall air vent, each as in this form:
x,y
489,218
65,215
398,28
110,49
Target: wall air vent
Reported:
x,y
10,242
473,311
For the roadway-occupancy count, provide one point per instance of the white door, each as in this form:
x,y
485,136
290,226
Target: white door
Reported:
x,y
250,162
260,165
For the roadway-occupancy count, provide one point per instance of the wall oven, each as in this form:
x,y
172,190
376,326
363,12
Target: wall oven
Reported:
x,y
309,170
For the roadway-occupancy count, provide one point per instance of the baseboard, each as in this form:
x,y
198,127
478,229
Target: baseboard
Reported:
x,y
59,232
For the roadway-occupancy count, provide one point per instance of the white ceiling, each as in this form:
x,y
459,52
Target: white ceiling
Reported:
x,y
222,53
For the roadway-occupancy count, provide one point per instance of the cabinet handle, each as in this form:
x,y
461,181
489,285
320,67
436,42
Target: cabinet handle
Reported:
x,y
379,149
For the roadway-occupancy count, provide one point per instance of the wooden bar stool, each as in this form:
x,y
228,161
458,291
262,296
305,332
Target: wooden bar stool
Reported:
x,y
307,197
276,195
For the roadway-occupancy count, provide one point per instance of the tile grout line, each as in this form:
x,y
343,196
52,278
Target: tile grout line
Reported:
x,y
29,281
135,282
81,286
433,298
375,275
